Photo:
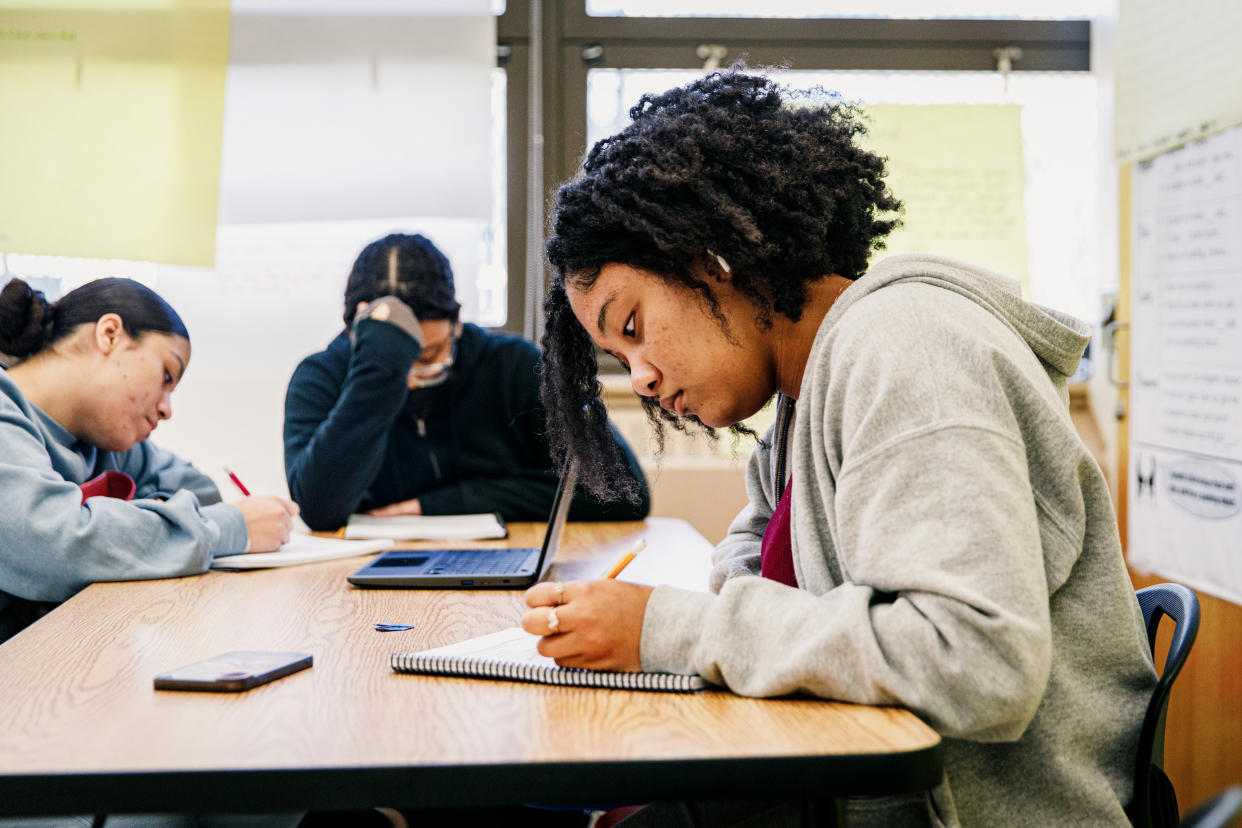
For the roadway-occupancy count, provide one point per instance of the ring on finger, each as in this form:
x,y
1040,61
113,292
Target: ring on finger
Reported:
x,y
554,623
559,594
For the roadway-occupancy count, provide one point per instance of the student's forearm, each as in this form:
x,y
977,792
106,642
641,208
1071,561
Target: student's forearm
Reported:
x,y
945,611
329,475
234,534
336,442
928,653
60,546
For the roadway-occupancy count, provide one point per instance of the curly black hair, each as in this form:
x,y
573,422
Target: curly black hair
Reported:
x,y
408,266
734,166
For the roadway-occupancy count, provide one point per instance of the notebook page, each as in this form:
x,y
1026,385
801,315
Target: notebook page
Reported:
x,y
480,526
512,655
513,645
301,549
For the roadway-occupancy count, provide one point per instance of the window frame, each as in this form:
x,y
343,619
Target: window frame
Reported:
x,y
571,43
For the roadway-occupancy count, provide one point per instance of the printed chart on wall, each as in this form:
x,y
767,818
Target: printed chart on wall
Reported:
x,y
1186,368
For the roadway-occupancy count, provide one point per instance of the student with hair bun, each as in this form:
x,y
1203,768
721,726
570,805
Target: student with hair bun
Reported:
x,y
87,496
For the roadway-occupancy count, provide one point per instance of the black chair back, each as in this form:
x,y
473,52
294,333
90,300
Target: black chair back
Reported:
x,y
1155,803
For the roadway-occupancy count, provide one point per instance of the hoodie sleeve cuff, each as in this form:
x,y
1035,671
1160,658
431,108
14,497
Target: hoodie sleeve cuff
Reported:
x,y
234,537
393,311
672,625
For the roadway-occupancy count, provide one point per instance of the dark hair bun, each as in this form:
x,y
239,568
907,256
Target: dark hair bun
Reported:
x,y
25,319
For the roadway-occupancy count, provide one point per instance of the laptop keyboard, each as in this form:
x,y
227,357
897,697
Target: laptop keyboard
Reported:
x,y
481,562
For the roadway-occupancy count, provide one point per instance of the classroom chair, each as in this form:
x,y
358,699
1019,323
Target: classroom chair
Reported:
x,y
1155,804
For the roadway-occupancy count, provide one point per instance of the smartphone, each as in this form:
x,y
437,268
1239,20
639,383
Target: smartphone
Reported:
x,y
233,672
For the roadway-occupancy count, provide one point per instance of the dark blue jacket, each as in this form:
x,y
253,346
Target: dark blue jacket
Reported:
x,y
357,438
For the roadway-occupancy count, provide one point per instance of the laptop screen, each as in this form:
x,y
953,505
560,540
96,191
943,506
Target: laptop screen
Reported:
x,y
556,521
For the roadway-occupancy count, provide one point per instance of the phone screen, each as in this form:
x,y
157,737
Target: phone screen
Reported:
x,y
233,671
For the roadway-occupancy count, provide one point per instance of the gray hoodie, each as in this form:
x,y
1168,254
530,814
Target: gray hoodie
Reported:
x,y
52,544
955,548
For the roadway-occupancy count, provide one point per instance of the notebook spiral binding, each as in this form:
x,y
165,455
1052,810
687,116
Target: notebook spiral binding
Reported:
x,y
538,674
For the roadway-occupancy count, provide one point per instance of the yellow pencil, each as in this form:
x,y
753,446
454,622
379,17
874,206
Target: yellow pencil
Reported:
x,y
625,559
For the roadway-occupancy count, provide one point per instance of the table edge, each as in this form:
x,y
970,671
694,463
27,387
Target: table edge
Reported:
x,y
461,786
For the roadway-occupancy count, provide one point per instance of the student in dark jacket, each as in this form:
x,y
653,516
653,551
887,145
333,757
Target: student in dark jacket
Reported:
x,y
410,411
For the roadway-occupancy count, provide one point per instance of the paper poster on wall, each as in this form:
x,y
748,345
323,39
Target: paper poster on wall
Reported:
x,y
1185,515
1178,73
110,124
959,171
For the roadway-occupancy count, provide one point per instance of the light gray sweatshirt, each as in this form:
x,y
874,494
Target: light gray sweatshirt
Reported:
x,y
955,549
53,545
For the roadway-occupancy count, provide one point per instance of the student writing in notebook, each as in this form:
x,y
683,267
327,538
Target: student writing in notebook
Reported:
x,y
411,411
86,381
925,528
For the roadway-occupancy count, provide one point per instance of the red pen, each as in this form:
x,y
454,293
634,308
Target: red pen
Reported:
x,y
236,482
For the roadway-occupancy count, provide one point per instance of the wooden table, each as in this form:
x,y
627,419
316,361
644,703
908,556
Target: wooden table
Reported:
x,y
83,731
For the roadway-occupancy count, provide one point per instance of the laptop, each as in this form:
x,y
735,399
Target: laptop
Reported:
x,y
473,568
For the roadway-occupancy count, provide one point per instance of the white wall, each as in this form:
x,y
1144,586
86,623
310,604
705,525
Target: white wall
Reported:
x,y
275,295
343,122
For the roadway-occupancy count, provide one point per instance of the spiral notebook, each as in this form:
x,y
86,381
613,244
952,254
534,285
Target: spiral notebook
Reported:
x,y
511,655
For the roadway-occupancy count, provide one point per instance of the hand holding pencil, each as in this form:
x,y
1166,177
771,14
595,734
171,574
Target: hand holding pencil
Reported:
x,y
269,519
592,624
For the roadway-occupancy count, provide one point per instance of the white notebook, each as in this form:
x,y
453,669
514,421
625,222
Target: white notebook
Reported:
x,y
301,549
512,655
482,526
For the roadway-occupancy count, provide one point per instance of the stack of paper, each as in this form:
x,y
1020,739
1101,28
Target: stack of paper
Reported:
x,y
427,527
301,549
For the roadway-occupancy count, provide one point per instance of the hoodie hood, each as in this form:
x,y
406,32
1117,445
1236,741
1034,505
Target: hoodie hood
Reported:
x,y
1057,338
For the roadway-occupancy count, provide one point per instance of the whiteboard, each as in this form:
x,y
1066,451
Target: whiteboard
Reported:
x,y
1185,521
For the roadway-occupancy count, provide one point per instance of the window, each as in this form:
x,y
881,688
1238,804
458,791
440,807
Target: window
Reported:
x,y
910,9
1059,137
596,57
